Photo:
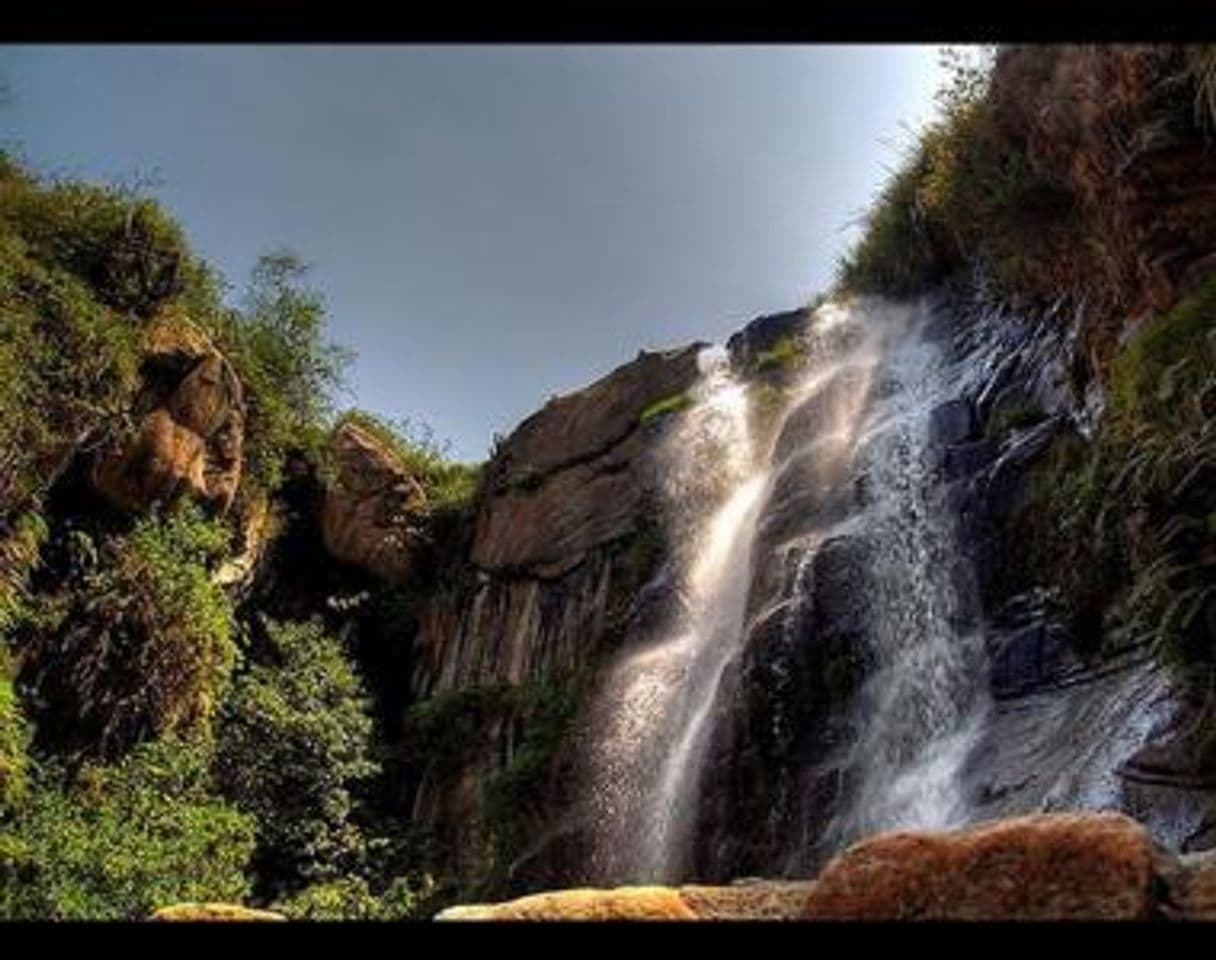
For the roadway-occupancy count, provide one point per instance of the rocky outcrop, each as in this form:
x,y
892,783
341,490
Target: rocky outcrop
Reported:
x,y
372,509
191,427
574,475
1073,866
213,912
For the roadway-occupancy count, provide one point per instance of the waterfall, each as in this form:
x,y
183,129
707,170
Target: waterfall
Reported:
x,y
851,443
656,704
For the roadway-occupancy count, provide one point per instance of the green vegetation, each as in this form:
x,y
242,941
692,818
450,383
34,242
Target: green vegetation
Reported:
x,y
294,737
1129,517
14,740
350,899
117,842
786,352
140,641
677,401
122,661
289,371
1034,173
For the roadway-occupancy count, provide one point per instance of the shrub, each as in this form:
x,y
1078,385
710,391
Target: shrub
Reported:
x,y
117,842
294,738
14,739
140,641
350,899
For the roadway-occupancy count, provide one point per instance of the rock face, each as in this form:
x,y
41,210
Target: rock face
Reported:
x,y
370,515
211,912
566,537
191,429
1074,866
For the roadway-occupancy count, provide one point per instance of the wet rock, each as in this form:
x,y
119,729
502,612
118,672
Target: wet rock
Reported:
x,y
952,422
967,459
1030,655
762,333
371,510
1040,867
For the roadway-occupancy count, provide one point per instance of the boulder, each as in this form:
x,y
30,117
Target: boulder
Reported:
x,y
190,437
372,508
1068,866
195,912
623,903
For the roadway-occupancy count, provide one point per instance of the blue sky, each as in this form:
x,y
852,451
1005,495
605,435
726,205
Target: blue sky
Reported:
x,y
492,225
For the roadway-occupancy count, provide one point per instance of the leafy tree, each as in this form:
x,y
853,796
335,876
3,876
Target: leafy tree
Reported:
x,y
289,370
117,842
295,736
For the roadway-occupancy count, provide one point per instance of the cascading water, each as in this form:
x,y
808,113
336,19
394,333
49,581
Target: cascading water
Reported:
x,y
657,701
857,420
924,702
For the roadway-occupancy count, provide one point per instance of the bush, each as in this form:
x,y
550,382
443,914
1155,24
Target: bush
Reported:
x,y
14,740
350,899
118,842
294,738
140,641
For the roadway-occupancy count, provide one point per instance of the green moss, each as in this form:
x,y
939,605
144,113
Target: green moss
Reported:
x,y
786,352
664,406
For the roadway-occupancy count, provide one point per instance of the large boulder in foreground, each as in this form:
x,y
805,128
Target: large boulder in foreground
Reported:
x,y
195,912
191,427
372,508
1066,866
1084,866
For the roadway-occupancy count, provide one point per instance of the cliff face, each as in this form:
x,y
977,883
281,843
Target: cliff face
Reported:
x,y
566,536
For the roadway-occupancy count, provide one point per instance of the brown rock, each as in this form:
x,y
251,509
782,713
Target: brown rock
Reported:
x,y
371,510
162,460
1191,884
191,438
570,477
762,900
194,912
623,903
1092,866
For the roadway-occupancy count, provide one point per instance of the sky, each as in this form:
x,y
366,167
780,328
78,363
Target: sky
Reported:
x,y
493,225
